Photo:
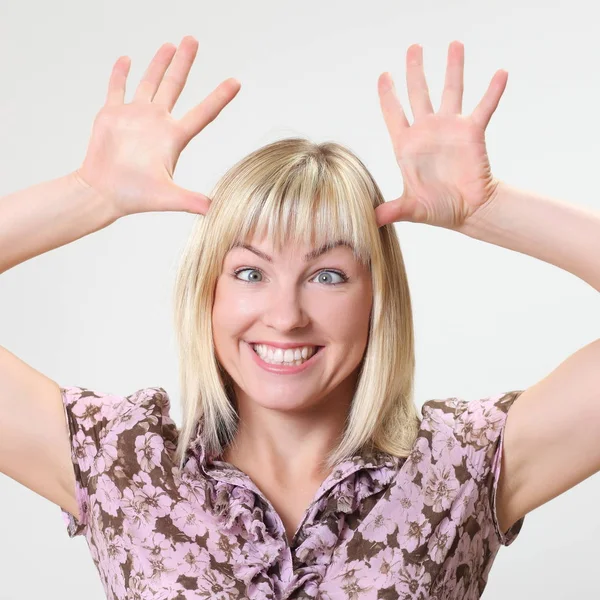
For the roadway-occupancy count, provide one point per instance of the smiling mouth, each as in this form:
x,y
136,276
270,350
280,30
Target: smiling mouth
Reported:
x,y
289,357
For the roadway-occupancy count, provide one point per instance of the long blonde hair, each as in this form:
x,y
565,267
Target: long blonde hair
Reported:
x,y
297,191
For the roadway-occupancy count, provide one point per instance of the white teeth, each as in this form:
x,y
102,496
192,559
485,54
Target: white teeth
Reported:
x,y
290,356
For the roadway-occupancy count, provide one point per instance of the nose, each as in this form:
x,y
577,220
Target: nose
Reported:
x,y
284,310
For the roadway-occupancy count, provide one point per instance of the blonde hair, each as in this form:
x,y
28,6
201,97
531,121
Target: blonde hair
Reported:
x,y
297,191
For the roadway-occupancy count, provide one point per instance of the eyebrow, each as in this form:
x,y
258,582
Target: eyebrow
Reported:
x,y
312,255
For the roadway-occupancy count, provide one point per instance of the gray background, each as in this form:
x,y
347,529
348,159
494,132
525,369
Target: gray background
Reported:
x,y
97,313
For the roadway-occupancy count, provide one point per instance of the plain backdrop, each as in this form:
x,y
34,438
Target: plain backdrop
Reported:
x,y
97,313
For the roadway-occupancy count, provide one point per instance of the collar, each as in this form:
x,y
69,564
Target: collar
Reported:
x,y
366,459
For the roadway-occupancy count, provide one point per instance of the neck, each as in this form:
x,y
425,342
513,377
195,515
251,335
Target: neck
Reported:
x,y
287,446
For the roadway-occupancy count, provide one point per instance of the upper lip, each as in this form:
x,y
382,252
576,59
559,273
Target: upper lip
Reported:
x,y
282,345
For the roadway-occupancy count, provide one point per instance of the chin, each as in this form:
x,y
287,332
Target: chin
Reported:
x,y
279,402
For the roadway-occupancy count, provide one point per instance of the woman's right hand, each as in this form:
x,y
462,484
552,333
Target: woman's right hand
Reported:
x,y
134,148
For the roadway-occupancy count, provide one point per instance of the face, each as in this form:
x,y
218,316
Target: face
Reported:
x,y
292,298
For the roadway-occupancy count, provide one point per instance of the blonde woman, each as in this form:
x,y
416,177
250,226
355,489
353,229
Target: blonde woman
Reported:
x,y
303,468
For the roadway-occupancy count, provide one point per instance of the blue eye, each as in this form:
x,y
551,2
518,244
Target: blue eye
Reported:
x,y
323,273
236,273
319,275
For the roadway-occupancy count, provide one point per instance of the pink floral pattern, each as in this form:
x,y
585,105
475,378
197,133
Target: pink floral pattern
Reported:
x,y
379,527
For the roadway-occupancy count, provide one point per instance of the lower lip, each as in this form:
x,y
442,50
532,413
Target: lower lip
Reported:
x,y
282,369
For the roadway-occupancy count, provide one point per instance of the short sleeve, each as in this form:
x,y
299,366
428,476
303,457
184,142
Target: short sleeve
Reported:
x,y
103,426
476,429
500,407
87,413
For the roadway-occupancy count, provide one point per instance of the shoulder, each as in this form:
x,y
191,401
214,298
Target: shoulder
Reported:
x,y
458,454
107,405
93,415
113,437
457,428
470,419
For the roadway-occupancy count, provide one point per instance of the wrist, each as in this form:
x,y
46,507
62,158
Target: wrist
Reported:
x,y
106,209
482,219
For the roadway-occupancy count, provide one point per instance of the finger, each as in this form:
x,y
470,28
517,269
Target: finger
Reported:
x,y
154,73
173,82
452,95
393,114
485,109
208,110
117,81
418,92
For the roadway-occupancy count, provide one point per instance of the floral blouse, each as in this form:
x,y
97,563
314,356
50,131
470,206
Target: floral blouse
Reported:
x,y
379,527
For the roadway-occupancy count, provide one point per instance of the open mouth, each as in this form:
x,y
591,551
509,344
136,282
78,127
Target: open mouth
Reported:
x,y
292,365
288,357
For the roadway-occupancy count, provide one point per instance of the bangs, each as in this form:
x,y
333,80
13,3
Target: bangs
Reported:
x,y
310,203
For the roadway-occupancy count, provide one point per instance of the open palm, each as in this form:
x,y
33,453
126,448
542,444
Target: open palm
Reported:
x,y
442,156
135,146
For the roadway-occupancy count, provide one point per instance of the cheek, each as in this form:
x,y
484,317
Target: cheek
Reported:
x,y
348,320
231,311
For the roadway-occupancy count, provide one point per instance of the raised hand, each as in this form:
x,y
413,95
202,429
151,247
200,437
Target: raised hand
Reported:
x,y
134,148
442,156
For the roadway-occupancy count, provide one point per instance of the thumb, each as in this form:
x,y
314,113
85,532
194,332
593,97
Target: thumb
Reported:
x,y
189,201
392,211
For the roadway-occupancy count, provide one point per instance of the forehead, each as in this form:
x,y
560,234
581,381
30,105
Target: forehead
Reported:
x,y
266,250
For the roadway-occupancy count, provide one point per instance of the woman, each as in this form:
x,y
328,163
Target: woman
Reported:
x,y
302,469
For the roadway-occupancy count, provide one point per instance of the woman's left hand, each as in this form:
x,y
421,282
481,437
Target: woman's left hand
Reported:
x,y
442,156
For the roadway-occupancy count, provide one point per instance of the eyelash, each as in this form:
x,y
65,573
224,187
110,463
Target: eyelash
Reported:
x,y
344,277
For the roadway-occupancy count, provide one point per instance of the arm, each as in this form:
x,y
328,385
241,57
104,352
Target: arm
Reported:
x,y
562,234
551,438
34,442
49,215
128,169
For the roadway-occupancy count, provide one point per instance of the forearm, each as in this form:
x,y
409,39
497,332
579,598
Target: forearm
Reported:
x,y
49,215
559,233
